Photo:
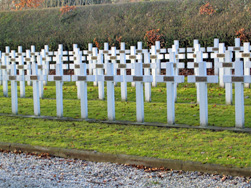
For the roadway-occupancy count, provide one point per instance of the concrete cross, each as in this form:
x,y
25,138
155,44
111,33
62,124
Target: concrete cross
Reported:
x,y
83,78
46,64
227,65
140,50
147,71
221,57
60,51
36,79
47,51
59,78
14,78
4,70
238,79
89,55
110,78
170,79
122,49
76,67
177,48
123,71
195,65
202,79
21,67
155,59
133,58
28,65
113,58
237,48
246,55
159,50
215,50
174,58
193,49
39,70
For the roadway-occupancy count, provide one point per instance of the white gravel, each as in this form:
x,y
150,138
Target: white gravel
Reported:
x,y
22,170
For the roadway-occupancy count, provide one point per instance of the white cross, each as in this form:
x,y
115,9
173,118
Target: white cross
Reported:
x,y
46,65
62,59
133,58
239,81
215,50
59,78
106,53
147,71
14,78
60,51
123,71
94,59
4,70
78,59
139,48
28,65
172,56
237,48
139,79
221,57
227,65
46,49
7,54
171,79
246,55
195,43
89,59
155,59
122,49
139,92
113,58
100,72
36,79
177,48
40,71
159,57
202,79
82,78
110,78
195,65
21,67
158,49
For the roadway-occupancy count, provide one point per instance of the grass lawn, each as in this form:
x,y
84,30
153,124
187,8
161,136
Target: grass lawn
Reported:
x,y
187,111
224,147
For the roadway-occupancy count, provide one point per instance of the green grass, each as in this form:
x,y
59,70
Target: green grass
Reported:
x,y
187,111
225,148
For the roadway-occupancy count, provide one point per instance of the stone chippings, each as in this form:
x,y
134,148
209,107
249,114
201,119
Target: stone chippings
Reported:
x,y
24,170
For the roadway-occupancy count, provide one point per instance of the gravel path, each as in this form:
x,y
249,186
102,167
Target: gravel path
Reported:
x,y
22,170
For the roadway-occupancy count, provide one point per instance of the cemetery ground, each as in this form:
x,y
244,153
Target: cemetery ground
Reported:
x,y
216,147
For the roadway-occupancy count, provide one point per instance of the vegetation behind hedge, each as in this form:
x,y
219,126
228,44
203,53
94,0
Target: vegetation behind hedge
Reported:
x,y
177,20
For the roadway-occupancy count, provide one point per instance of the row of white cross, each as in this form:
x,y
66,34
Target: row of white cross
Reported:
x,y
201,79
38,77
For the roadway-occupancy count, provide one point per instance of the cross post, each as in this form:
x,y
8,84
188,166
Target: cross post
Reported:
x,y
202,79
4,69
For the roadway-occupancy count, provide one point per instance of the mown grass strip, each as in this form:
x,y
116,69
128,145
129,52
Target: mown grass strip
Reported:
x,y
224,147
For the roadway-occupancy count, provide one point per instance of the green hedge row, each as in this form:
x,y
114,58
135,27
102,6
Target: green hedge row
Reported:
x,y
177,20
